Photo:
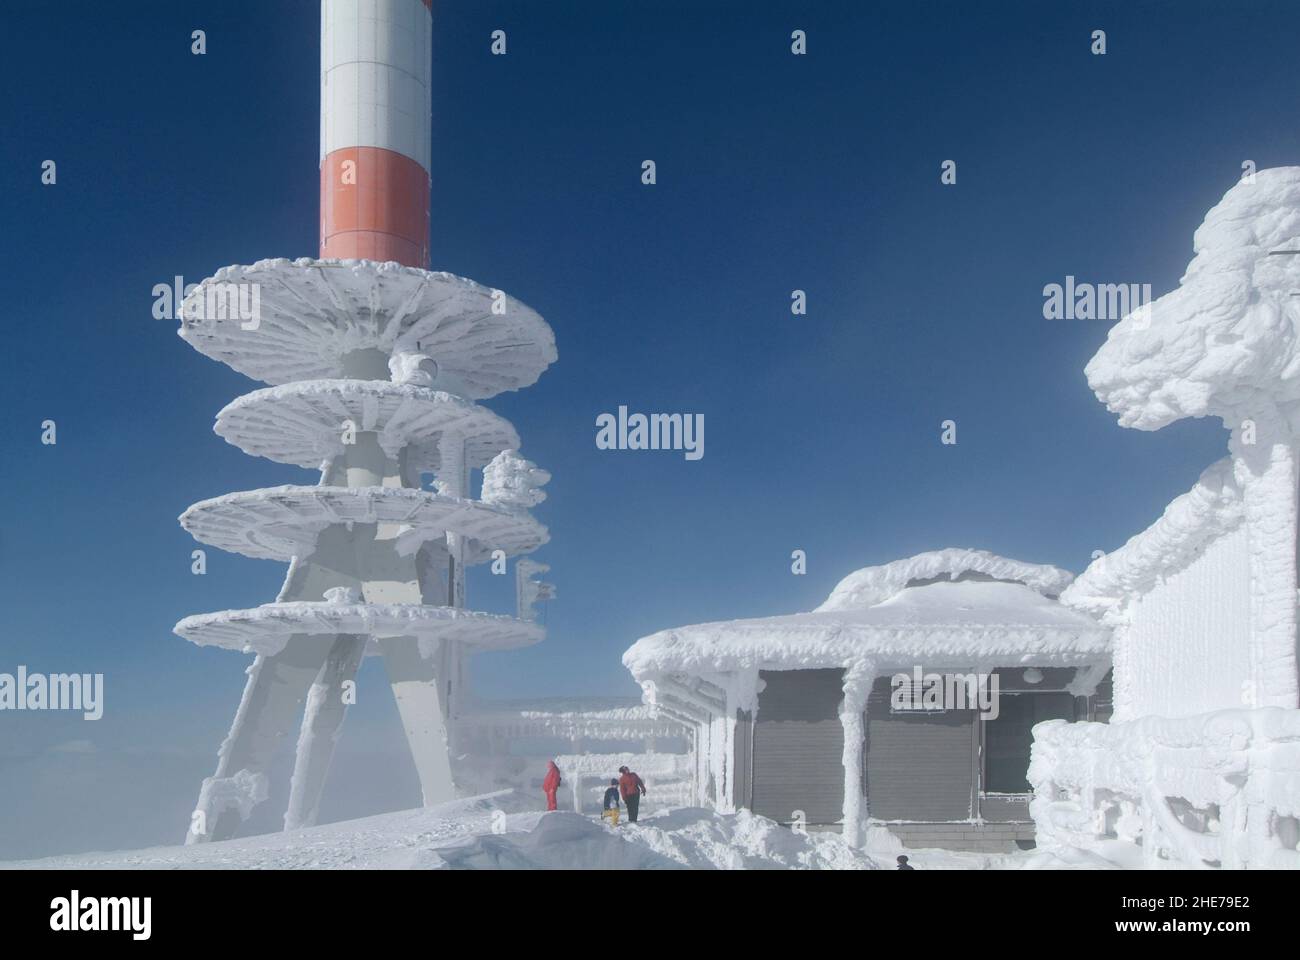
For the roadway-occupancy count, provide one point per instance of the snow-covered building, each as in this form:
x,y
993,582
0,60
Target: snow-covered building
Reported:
x,y
802,718
1200,765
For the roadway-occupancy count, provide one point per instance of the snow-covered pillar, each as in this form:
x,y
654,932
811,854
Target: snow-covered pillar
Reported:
x,y
858,679
745,699
321,724
387,577
272,695
1258,838
414,681
727,748
1150,837
1123,685
746,691
453,481
703,761
1234,815
718,759
1266,471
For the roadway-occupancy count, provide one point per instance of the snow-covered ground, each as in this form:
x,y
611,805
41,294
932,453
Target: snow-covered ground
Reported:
x,y
883,847
478,833
481,833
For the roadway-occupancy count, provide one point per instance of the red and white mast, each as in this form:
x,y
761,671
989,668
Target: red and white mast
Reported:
x,y
375,130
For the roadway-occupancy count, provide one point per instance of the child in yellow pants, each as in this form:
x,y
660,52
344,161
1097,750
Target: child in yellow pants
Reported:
x,y
611,811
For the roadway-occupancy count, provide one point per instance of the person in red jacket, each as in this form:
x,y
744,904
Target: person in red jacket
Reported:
x,y
551,784
632,788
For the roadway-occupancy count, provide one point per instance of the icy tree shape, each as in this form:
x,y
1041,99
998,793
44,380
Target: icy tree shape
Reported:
x,y
1225,343
511,481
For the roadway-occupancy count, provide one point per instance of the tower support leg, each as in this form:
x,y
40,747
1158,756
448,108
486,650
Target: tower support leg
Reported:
x,y
321,723
414,679
273,695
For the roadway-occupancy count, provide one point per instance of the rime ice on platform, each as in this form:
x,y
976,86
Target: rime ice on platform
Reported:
x,y
1202,764
375,366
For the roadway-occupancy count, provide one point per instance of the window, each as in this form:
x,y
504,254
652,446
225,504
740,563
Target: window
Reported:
x,y
1007,737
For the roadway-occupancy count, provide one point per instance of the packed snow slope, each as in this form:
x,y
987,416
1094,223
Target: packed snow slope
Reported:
x,y
477,833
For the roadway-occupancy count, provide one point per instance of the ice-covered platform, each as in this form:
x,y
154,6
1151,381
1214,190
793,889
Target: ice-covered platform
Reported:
x,y
266,629
313,314
280,523
302,423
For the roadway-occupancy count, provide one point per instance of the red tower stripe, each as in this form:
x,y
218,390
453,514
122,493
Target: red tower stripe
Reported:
x,y
375,209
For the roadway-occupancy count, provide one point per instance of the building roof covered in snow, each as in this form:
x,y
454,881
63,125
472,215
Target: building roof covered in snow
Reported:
x,y
948,607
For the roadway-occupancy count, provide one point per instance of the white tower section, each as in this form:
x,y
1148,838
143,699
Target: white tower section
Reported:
x,y
375,116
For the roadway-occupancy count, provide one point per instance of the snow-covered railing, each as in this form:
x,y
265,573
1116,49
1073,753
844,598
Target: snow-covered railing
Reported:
x,y
1216,790
578,719
663,773
607,764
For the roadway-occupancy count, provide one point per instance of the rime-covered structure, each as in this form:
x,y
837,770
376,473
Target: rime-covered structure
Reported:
x,y
375,365
1200,766
793,716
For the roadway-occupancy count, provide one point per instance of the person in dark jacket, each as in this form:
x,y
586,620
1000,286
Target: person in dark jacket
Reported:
x,y
632,789
611,810
904,865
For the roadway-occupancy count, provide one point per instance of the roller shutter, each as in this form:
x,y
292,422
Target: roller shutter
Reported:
x,y
799,746
920,767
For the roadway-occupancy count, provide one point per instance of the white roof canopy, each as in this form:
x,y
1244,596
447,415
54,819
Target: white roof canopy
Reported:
x,y
953,607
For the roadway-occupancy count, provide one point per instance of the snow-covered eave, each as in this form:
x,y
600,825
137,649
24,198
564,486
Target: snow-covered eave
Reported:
x,y
712,649
1189,523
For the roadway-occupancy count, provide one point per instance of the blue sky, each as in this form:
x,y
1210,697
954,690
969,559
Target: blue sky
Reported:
x,y
775,173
